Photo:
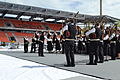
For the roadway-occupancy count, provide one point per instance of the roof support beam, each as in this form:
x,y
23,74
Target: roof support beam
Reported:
x,y
30,19
46,17
4,12
19,15
56,20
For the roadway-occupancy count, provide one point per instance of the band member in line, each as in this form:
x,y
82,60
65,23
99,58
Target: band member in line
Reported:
x,y
48,34
118,43
26,43
69,36
100,33
106,44
93,46
57,44
36,35
62,38
113,44
41,45
33,47
62,43
80,46
54,37
49,43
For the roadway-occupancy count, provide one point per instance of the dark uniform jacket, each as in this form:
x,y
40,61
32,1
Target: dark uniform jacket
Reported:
x,y
71,32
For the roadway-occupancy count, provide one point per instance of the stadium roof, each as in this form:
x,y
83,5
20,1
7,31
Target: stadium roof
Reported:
x,y
44,14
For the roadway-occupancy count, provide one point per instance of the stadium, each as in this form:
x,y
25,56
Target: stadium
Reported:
x,y
19,21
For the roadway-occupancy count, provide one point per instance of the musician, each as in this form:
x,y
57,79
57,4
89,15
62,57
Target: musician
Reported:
x,y
100,34
48,34
26,42
62,37
54,37
57,43
36,35
106,43
69,36
33,47
80,46
118,43
78,31
49,43
41,45
62,42
113,39
93,46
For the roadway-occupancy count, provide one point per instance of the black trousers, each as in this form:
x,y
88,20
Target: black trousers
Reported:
x,y
101,54
25,48
106,49
87,43
40,49
33,48
63,49
69,52
93,52
113,51
117,47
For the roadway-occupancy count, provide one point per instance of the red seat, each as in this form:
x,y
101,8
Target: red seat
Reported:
x,y
32,24
1,23
9,34
3,37
20,36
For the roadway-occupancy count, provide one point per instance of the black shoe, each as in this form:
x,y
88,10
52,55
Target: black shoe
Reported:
x,y
73,65
91,64
42,56
67,65
106,60
113,59
100,62
95,64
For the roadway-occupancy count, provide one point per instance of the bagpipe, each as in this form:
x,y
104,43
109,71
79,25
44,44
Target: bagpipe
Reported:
x,y
67,33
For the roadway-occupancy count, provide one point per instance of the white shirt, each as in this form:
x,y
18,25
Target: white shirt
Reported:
x,y
63,29
46,37
106,37
90,31
113,35
49,39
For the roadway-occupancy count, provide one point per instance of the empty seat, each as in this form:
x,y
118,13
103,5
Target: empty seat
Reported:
x,y
1,23
9,34
3,37
32,24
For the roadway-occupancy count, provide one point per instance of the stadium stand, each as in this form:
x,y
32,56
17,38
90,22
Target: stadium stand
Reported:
x,y
1,23
6,36
55,27
19,36
26,24
16,24
23,34
30,24
9,34
3,37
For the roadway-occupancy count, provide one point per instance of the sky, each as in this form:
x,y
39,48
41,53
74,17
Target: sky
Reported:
x,y
90,7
